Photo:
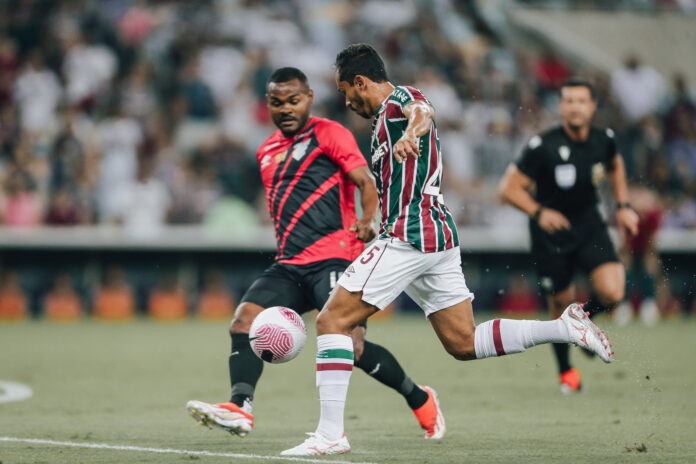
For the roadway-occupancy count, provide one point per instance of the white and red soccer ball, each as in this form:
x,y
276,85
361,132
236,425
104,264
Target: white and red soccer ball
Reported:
x,y
277,334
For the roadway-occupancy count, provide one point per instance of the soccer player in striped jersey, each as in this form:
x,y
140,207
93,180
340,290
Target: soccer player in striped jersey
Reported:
x,y
310,168
417,251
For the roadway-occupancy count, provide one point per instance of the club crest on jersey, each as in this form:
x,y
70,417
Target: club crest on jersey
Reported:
x,y
598,173
564,152
379,152
300,150
280,157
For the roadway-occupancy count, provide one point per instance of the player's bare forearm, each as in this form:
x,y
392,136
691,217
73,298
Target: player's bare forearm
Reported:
x,y
626,218
616,175
420,119
363,180
513,189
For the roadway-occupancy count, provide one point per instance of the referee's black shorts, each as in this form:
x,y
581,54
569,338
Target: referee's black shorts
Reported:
x,y
301,288
558,257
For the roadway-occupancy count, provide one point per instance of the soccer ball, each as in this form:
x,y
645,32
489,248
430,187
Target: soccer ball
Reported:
x,y
277,335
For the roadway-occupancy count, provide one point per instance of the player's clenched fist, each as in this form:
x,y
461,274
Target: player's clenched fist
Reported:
x,y
365,230
406,146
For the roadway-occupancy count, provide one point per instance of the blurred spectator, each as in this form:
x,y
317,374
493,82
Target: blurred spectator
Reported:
x,y
215,301
143,206
114,300
13,303
20,205
138,95
641,259
118,138
639,90
37,92
167,301
62,303
9,66
551,71
88,68
681,107
63,210
681,154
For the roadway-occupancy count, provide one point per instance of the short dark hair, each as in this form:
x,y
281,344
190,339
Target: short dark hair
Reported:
x,y
286,75
579,82
360,59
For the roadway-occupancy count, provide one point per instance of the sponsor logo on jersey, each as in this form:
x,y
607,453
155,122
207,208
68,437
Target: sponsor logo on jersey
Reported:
x,y
379,152
272,145
400,95
564,152
265,161
565,175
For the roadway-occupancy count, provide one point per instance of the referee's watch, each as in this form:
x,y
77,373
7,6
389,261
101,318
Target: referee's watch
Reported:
x,y
623,205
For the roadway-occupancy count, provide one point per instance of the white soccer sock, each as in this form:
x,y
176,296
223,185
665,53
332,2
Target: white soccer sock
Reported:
x,y
506,336
334,366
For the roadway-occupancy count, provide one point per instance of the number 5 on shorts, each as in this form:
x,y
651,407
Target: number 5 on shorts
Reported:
x,y
369,255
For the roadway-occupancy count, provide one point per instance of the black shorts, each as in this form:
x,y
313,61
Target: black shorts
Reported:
x,y
557,260
301,288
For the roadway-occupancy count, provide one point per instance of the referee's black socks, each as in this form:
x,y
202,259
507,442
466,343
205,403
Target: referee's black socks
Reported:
x,y
381,365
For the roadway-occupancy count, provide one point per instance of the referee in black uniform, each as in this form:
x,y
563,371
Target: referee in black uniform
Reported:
x,y
554,182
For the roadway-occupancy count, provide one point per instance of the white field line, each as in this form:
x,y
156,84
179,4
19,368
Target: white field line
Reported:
x,y
37,441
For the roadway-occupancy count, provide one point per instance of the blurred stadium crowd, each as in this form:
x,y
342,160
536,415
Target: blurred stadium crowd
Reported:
x,y
147,113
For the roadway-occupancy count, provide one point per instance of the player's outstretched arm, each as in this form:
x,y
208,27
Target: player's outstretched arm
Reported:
x,y
514,189
626,218
362,178
420,117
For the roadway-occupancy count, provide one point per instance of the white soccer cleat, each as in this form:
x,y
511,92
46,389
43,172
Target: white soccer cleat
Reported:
x,y
585,334
224,416
316,445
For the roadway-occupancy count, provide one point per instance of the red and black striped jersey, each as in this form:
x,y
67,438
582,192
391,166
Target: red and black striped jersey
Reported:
x,y
310,197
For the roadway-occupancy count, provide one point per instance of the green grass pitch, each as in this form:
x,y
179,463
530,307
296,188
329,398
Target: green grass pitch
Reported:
x,y
127,384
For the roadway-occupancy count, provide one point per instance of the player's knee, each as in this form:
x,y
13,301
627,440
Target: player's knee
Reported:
x,y
244,315
611,297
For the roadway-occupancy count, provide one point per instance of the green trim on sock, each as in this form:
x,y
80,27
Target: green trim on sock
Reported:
x,y
337,353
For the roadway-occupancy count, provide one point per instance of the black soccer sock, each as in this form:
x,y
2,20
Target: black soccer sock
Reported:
x,y
245,369
562,352
593,306
381,365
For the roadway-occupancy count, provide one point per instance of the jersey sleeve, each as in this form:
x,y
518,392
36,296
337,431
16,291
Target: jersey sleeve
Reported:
x,y
340,146
530,159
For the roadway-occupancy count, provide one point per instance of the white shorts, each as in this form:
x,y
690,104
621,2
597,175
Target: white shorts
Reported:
x,y
390,266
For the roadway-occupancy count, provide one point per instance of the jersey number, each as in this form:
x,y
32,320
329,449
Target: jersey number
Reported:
x,y
430,187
